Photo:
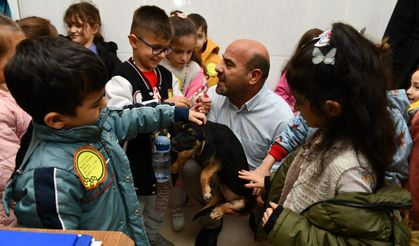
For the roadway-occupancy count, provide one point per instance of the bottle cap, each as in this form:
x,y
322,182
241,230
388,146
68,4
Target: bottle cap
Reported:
x,y
162,143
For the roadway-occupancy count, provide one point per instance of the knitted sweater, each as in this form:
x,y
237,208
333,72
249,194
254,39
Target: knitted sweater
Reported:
x,y
318,182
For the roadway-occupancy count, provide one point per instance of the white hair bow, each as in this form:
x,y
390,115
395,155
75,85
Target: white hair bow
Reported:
x,y
329,58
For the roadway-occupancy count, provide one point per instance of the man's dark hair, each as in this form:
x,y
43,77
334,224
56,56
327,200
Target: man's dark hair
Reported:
x,y
53,75
258,61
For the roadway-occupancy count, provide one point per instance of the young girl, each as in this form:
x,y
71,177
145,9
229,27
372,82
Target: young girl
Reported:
x,y
83,27
339,84
189,73
13,120
192,84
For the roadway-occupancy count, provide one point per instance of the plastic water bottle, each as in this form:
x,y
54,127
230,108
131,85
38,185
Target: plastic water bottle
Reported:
x,y
161,158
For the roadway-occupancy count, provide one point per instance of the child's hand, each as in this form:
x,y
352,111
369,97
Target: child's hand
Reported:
x,y
268,212
257,180
197,117
179,101
203,105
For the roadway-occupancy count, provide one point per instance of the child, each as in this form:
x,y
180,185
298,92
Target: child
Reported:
x,y
35,27
141,79
188,72
282,88
339,84
207,48
193,86
413,94
413,91
13,120
74,174
83,27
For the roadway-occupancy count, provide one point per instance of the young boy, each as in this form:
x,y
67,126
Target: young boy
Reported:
x,y
207,48
74,174
141,79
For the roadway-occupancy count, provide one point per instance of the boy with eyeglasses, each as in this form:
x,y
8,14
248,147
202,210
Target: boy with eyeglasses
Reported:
x,y
141,79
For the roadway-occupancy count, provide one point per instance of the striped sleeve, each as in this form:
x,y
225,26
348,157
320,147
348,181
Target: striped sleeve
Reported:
x,y
46,198
57,203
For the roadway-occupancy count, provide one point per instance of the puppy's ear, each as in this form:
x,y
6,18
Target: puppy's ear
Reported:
x,y
177,126
200,132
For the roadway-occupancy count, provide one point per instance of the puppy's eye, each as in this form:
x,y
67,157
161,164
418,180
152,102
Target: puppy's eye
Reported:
x,y
190,131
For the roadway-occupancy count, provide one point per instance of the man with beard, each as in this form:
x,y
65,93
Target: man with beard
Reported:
x,y
252,111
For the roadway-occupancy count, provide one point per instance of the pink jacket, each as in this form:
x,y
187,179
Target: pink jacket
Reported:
x,y
13,124
196,84
284,91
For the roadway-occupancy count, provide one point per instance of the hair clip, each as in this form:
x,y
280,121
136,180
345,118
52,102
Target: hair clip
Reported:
x,y
318,56
178,13
362,31
324,39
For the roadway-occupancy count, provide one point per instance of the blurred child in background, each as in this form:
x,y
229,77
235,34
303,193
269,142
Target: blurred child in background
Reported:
x,y
207,48
35,27
83,27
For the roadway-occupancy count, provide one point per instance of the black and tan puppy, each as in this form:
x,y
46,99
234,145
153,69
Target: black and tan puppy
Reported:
x,y
220,154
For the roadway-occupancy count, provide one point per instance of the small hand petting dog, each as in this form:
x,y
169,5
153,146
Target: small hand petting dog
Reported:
x,y
221,156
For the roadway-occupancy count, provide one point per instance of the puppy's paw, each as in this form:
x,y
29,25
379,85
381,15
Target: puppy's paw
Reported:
x,y
207,196
206,192
217,213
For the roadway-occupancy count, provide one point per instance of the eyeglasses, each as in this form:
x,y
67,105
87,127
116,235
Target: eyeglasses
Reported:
x,y
156,50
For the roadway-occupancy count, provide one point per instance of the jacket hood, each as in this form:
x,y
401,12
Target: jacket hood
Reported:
x,y
211,48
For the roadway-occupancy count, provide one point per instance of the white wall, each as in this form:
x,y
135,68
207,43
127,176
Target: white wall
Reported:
x,y
276,23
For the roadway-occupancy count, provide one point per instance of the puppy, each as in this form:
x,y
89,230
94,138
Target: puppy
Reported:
x,y
216,148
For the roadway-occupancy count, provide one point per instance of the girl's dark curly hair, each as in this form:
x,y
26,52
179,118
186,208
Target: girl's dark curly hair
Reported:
x,y
357,81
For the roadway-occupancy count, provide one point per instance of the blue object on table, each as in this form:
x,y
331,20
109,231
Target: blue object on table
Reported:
x,y
24,238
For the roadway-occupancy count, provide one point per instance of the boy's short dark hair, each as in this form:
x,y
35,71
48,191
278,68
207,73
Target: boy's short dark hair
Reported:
x,y
53,74
151,20
199,21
